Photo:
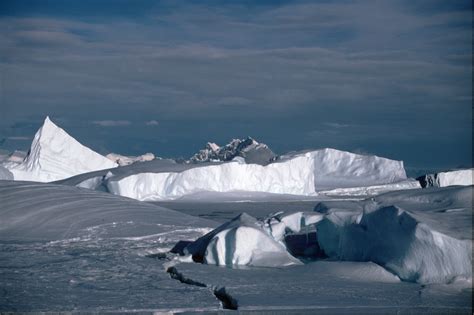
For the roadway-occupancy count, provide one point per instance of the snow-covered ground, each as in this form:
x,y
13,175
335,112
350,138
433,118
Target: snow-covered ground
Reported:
x,y
67,248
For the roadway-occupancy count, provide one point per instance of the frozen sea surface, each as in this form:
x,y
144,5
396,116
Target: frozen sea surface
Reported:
x,y
68,249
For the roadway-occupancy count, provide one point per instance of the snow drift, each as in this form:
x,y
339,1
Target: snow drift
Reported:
x,y
450,178
241,241
297,174
55,155
43,211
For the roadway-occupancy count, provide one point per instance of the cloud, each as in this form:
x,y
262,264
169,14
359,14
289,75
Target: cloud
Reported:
x,y
152,123
18,138
334,71
111,123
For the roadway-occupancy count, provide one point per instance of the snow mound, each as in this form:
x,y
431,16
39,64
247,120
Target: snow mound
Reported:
x,y
123,160
55,155
243,242
249,149
451,178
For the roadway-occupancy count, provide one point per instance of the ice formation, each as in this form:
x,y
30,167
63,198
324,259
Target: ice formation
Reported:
x,y
249,149
123,160
292,176
422,236
451,178
298,174
55,155
340,169
5,174
241,241
429,240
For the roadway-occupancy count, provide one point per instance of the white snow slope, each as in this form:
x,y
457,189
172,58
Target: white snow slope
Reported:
x,y
297,174
41,211
55,155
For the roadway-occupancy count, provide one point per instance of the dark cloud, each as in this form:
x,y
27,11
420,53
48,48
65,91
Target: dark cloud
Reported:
x,y
387,77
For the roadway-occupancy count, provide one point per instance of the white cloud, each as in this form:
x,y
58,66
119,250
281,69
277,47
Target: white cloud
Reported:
x,y
152,123
112,123
18,138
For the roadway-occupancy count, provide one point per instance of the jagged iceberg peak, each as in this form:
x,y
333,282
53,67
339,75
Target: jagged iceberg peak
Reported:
x,y
55,155
250,149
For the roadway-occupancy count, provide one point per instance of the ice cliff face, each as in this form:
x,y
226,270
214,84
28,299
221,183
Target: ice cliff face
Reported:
x,y
341,169
55,155
444,179
249,149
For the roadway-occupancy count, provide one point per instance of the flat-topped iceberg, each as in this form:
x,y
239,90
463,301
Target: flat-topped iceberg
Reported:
x,y
303,173
55,155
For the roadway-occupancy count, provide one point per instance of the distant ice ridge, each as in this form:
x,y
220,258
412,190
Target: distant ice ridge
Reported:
x,y
55,155
450,178
249,149
303,173
123,160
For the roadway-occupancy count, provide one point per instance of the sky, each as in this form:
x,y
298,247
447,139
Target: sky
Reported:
x,y
391,78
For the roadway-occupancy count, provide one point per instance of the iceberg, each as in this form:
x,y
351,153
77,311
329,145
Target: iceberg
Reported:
x,y
293,176
240,242
303,174
341,169
248,149
451,178
55,155
421,236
